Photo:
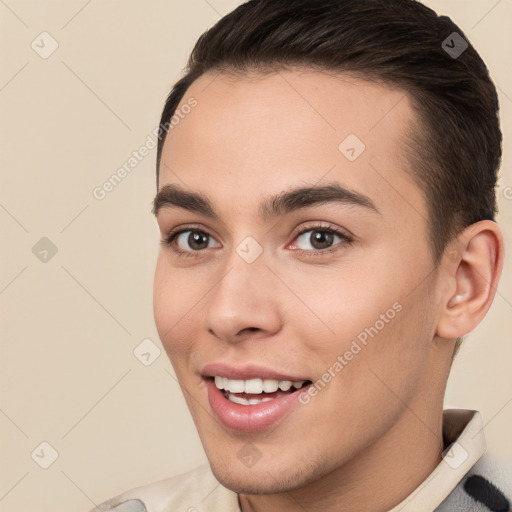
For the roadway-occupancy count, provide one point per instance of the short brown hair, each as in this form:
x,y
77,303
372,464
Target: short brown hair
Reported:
x,y
455,150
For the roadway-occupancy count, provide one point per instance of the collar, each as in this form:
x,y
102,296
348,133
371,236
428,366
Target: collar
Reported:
x,y
463,433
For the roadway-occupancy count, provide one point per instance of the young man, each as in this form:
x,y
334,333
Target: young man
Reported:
x,y
326,197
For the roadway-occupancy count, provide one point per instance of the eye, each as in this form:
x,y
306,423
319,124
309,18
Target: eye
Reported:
x,y
314,240
189,241
320,239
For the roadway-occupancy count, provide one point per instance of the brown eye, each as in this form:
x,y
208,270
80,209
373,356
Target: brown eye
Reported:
x,y
192,240
197,240
319,238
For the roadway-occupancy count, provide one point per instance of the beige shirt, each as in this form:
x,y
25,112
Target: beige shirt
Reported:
x,y
199,491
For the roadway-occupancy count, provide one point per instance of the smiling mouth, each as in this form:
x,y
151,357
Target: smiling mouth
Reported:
x,y
256,391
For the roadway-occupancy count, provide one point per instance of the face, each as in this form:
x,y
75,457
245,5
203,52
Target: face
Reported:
x,y
331,286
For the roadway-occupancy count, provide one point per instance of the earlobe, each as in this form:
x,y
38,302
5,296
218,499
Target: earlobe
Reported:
x,y
474,276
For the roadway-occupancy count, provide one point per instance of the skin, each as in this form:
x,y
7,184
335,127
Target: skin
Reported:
x,y
374,433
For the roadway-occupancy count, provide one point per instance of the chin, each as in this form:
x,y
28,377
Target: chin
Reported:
x,y
262,479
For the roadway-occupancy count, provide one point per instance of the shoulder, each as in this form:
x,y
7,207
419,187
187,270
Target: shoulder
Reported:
x,y
487,486
194,491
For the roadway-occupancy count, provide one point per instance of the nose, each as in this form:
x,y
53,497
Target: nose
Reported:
x,y
243,303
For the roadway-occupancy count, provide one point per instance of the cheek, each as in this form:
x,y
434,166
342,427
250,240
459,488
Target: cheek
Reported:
x,y
337,304
176,296
368,303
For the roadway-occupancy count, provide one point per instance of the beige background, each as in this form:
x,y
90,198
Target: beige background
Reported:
x,y
69,326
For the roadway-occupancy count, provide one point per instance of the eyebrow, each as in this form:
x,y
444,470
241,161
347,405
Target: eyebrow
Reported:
x,y
285,202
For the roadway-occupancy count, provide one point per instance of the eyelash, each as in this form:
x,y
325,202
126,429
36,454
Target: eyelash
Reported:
x,y
168,240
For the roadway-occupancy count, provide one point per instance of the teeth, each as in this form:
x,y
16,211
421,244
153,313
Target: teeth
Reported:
x,y
219,382
270,385
238,400
255,386
285,385
235,386
250,401
251,386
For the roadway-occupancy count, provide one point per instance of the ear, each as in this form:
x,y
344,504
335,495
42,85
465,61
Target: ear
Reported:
x,y
473,265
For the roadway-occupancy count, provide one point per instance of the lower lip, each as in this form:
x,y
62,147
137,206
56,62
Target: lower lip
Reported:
x,y
249,418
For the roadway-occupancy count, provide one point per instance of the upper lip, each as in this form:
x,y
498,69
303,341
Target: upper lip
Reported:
x,y
247,371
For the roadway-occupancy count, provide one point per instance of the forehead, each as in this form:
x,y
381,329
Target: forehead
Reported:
x,y
257,133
